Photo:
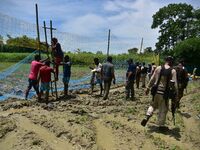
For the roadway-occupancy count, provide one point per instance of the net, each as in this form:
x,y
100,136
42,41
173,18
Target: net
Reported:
x,y
14,79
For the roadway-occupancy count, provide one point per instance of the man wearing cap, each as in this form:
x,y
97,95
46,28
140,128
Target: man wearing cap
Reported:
x,y
130,77
160,81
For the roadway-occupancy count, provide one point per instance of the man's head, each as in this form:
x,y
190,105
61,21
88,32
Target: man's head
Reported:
x,y
37,57
109,59
130,61
169,60
181,61
66,58
153,64
143,63
47,63
54,40
96,61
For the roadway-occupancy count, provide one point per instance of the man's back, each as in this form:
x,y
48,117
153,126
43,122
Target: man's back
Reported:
x,y
45,73
35,66
67,69
108,71
131,68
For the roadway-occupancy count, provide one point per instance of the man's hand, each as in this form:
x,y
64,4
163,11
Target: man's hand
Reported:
x,y
147,91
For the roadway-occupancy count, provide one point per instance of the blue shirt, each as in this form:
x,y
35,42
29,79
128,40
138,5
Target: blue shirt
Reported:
x,y
67,69
131,68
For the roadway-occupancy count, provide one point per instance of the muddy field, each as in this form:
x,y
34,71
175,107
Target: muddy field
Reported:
x,y
86,122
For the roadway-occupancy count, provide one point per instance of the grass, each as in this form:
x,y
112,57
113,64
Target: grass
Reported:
x,y
130,110
5,65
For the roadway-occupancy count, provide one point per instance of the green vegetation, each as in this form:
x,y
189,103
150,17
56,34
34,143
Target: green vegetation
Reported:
x,y
189,50
130,110
83,59
176,22
12,57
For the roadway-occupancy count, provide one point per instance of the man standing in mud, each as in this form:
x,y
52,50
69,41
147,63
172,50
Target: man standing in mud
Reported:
x,y
57,54
32,79
45,77
96,76
182,79
138,74
143,74
108,75
163,77
130,77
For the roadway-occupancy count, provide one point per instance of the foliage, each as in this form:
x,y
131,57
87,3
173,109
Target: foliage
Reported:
x,y
176,22
133,50
99,52
148,50
189,50
15,49
12,57
86,58
1,40
24,41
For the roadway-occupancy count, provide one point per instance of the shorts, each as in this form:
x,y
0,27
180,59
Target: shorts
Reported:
x,y
97,81
66,80
58,60
45,86
33,83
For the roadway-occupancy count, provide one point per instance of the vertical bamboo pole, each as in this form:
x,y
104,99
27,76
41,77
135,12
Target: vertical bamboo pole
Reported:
x,y
108,49
51,33
37,28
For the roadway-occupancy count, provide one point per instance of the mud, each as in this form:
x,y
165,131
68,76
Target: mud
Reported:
x,y
87,122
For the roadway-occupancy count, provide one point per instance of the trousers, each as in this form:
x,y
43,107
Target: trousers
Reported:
x,y
162,106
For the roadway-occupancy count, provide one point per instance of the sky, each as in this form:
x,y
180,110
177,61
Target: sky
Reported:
x,y
129,20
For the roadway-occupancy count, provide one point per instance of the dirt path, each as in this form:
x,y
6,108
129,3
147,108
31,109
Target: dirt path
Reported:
x,y
105,139
44,134
86,122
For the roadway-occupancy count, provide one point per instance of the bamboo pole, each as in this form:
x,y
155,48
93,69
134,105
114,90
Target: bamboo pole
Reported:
x,y
38,30
51,33
108,49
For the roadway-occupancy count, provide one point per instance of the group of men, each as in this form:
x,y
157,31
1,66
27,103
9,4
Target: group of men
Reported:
x,y
165,82
41,71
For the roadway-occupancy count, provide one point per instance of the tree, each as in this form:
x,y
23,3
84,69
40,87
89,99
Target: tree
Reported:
x,y
133,50
176,22
99,52
24,41
1,40
189,50
148,50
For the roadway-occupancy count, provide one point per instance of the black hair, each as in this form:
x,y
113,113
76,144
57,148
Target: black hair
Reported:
x,y
37,57
66,58
54,40
96,59
109,59
47,63
169,59
130,60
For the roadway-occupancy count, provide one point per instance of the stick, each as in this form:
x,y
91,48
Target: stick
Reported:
x,y
45,34
51,32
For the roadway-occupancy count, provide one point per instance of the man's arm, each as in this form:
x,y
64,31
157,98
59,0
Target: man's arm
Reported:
x,y
153,79
39,77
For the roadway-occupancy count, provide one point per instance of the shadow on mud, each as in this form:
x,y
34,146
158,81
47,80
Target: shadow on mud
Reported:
x,y
175,132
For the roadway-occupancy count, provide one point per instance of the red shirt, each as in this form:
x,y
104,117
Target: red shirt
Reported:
x,y
45,73
35,66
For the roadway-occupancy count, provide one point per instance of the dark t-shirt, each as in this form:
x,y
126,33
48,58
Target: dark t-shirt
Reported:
x,y
67,69
58,51
108,70
131,68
